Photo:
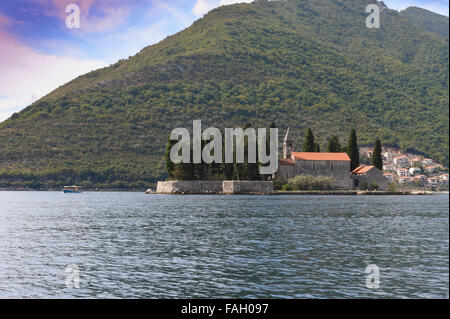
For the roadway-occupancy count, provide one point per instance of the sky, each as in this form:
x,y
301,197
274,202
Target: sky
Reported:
x,y
40,51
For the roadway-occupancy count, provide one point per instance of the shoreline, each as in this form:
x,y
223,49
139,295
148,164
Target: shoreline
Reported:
x,y
323,193
357,193
275,193
84,190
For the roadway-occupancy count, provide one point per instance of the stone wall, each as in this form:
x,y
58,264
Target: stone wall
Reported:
x,y
372,176
339,170
286,171
247,187
189,187
215,187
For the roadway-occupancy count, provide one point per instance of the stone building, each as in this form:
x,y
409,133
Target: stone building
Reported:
x,y
336,165
365,176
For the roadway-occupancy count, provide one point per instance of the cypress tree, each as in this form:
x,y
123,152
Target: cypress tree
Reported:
x,y
227,168
200,171
244,168
248,171
268,139
377,160
333,145
187,169
352,150
308,144
268,136
170,167
316,148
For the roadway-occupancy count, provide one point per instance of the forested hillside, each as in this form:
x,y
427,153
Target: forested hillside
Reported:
x,y
298,63
430,21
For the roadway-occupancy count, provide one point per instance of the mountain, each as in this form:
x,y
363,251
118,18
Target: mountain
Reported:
x,y
298,63
427,20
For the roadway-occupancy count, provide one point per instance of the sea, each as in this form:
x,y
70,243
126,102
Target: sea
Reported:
x,y
136,245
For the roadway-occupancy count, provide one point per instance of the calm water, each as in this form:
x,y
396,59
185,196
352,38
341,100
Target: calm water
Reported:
x,y
158,246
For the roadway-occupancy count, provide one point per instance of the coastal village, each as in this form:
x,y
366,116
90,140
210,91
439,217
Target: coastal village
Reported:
x,y
399,169
409,169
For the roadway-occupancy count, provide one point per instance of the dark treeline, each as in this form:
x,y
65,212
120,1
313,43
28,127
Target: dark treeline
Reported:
x,y
129,177
217,171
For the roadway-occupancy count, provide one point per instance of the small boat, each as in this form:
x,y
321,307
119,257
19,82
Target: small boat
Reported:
x,y
72,189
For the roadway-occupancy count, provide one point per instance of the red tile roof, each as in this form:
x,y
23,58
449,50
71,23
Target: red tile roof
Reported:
x,y
285,162
362,169
312,156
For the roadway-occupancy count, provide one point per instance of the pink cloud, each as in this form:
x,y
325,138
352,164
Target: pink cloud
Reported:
x,y
112,18
96,15
5,21
25,72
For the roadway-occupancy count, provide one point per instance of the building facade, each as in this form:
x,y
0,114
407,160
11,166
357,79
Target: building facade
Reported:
x,y
336,165
366,177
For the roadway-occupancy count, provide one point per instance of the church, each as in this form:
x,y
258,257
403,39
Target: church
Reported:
x,y
336,165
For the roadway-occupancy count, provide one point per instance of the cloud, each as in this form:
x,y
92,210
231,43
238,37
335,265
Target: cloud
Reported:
x,y
10,105
25,73
178,13
226,2
204,6
111,18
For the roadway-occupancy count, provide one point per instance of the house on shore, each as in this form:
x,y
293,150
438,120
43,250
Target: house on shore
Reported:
x,y
389,176
365,177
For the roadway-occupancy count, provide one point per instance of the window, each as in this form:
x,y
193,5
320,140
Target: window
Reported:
x,y
332,166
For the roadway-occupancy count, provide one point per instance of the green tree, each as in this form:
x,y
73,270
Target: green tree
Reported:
x,y
269,137
248,171
352,150
187,170
316,147
227,168
200,171
169,164
377,160
308,143
333,145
